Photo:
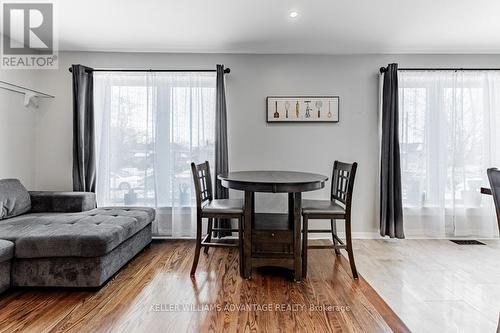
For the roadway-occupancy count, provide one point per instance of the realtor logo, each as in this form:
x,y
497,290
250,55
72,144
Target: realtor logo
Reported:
x,y
28,36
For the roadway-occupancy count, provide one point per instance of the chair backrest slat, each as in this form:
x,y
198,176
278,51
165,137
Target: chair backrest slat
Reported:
x,y
202,183
343,183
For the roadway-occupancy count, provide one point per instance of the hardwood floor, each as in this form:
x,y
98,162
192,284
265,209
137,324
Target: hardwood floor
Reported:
x,y
435,285
144,295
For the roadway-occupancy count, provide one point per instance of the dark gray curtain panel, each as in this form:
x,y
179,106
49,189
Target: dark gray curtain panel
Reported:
x,y
494,178
391,206
84,166
221,155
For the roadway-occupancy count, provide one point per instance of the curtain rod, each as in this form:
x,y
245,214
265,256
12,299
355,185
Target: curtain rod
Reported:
x,y
226,70
384,69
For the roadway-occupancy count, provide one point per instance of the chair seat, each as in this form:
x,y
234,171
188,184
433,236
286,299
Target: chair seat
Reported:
x,y
326,207
224,206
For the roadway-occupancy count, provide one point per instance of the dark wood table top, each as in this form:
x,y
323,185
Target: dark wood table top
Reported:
x,y
273,181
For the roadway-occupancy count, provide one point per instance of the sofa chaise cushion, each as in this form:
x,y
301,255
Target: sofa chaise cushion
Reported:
x,y
14,198
6,253
91,233
77,272
6,250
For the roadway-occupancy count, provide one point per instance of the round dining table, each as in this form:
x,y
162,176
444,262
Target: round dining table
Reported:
x,y
272,239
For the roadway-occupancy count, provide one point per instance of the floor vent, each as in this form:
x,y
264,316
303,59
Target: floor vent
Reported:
x,y
467,242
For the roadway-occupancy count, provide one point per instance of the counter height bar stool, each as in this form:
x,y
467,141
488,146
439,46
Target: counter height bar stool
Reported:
x,y
208,207
337,208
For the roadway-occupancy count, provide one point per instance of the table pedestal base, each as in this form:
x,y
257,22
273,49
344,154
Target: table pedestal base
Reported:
x,y
273,239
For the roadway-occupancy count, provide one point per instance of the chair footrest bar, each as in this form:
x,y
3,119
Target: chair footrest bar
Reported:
x,y
339,240
317,247
220,244
325,231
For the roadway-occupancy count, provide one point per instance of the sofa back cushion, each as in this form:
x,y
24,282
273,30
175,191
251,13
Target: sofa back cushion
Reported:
x,y
14,198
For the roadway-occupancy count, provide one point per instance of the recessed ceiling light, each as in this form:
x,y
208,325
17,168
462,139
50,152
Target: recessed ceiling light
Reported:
x,y
293,14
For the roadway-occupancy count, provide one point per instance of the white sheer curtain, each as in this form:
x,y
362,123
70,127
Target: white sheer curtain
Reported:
x,y
449,136
149,128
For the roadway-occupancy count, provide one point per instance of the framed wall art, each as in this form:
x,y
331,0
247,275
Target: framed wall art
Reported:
x,y
302,109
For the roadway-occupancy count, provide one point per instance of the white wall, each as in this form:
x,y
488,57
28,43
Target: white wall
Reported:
x,y
253,144
17,129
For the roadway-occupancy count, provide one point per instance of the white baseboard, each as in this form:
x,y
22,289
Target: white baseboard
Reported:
x,y
355,235
362,235
464,234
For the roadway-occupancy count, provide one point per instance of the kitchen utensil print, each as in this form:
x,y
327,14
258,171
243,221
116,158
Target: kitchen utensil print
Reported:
x,y
308,109
319,105
276,113
287,107
329,110
297,109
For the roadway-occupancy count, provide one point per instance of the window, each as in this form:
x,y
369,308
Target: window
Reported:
x,y
149,128
448,138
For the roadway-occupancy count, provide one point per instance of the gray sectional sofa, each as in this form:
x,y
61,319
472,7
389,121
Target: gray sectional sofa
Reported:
x,y
59,239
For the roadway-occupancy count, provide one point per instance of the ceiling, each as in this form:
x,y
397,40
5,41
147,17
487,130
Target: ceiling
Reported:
x,y
264,26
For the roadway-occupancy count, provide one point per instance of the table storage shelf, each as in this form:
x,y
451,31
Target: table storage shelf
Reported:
x,y
272,236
